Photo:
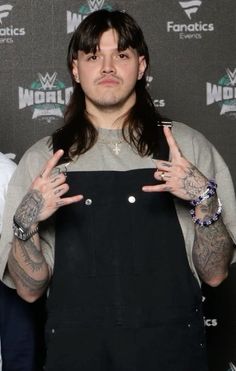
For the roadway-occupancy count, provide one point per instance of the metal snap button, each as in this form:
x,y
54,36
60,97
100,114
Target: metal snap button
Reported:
x,y
131,199
88,202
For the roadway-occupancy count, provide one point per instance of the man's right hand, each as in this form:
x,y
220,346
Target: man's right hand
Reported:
x,y
44,196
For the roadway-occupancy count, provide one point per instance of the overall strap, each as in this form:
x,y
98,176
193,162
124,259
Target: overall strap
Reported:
x,y
162,152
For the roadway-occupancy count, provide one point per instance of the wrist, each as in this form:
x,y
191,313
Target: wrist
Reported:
x,y
206,195
200,214
23,233
207,208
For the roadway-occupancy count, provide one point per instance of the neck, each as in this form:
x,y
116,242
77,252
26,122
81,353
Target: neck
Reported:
x,y
108,118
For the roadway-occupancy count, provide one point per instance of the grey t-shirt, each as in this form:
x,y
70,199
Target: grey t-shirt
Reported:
x,y
112,153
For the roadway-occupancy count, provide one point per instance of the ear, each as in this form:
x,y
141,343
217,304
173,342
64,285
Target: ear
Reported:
x,y
142,66
75,70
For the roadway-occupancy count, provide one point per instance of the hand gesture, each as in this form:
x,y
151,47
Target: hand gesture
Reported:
x,y
44,196
178,176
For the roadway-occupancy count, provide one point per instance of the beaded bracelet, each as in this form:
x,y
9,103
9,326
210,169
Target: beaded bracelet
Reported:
x,y
207,221
210,191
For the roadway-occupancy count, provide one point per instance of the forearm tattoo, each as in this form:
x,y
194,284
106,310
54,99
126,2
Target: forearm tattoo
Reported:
x,y
213,247
29,209
33,265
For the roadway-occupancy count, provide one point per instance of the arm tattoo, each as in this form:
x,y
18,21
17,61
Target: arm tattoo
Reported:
x,y
33,265
32,256
213,247
19,274
29,209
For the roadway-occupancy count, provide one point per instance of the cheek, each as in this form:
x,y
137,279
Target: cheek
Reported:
x,y
86,76
130,76
131,71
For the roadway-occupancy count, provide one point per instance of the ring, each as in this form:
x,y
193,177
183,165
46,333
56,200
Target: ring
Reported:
x,y
163,176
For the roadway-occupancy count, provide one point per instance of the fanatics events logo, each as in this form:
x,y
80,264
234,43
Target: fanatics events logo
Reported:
x,y
190,7
193,30
4,11
223,93
47,97
8,33
74,19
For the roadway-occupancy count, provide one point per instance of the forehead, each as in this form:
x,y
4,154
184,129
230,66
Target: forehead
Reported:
x,y
108,40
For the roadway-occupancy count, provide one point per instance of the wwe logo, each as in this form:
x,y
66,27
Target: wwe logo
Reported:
x,y
95,4
232,76
47,81
190,7
4,11
232,367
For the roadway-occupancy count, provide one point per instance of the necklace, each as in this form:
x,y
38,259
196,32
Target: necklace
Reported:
x,y
115,145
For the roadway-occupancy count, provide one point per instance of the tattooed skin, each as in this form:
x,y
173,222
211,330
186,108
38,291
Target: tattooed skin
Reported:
x,y
192,182
213,248
31,256
29,209
20,274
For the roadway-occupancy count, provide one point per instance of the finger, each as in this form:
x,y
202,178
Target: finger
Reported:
x,y
163,165
162,176
61,190
69,200
51,163
58,179
156,188
174,148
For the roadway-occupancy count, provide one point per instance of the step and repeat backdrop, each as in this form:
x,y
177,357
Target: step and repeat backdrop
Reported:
x,y
192,79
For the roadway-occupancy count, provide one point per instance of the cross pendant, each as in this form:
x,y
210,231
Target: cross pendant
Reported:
x,y
116,149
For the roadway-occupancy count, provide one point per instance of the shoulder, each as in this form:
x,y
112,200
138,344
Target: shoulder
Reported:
x,y
37,154
32,161
187,136
41,148
193,144
198,149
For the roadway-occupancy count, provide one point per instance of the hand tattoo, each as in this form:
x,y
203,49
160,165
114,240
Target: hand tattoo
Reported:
x,y
193,183
29,209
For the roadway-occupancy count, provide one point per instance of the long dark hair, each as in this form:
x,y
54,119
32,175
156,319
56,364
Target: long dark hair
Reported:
x,y
78,134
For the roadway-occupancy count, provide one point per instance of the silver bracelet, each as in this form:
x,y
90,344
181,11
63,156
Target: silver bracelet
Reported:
x,y
21,233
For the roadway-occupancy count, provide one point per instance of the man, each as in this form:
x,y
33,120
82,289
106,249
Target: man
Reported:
x,y
105,221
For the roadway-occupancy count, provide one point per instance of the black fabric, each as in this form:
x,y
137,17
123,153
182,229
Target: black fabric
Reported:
x,y
121,268
21,332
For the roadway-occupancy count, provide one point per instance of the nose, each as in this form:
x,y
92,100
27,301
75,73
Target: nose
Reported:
x,y
108,66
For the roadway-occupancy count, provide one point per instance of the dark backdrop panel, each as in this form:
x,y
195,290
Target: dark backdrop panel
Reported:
x,y
192,46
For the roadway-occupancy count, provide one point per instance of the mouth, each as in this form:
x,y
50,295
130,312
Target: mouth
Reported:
x,y
108,81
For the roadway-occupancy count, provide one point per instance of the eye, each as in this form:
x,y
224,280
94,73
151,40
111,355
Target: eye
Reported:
x,y
123,56
92,57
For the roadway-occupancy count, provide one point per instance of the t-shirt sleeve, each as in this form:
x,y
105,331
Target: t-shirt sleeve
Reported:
x,y
29,167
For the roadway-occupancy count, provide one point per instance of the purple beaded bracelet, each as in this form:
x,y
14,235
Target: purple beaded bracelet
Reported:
x,y
208,221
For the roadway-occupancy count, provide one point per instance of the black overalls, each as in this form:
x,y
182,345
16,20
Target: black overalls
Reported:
x,y
123,297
